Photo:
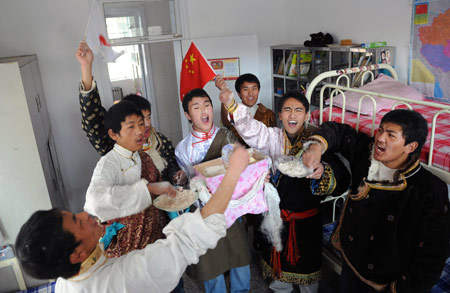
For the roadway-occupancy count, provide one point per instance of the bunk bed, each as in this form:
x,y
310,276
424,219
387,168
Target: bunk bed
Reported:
x,y
363,107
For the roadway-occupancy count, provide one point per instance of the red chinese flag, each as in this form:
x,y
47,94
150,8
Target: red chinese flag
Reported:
x,y
195,71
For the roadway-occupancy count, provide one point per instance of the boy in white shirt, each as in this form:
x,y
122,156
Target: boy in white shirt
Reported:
x,y
205,143
117,193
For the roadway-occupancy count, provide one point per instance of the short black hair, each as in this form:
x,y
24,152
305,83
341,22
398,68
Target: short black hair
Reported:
x,y
296,94
118,114
248,77
141,102
43,247
195,93
414,126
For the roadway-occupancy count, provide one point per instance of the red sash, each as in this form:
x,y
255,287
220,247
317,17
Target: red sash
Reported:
x,y
291,252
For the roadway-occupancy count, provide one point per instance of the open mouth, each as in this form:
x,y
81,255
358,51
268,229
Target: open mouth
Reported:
x,y
292,123
140,140
205,119
379,149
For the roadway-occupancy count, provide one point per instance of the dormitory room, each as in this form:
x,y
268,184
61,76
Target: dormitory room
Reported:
x,y
225,146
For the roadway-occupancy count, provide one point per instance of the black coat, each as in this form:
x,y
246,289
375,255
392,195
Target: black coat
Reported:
x,y
392,235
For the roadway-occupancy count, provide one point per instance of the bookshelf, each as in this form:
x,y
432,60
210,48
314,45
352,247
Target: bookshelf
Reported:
x,y
295,66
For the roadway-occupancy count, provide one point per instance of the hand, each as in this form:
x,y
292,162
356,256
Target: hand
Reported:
x,y
267,179
317,174
220,82
226,96
239,159
159,188
180,178
84,54
311,157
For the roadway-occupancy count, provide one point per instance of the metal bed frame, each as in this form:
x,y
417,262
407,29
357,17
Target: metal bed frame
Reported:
x,y
344,76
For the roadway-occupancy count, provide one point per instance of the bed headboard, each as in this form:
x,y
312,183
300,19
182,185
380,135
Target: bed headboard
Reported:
x,y
346,74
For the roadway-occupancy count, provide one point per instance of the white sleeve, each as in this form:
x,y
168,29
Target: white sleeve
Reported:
x,y
108,201
85,92
182,159
255,133
159,267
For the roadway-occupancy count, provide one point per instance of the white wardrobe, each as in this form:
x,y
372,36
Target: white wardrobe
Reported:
x,y
30,177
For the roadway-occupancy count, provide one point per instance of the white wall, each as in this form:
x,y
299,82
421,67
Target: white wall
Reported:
x,y
51,29
265,19
278,22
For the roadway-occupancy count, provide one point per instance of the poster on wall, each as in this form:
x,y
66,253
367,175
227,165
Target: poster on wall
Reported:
x,y
227,67
430,49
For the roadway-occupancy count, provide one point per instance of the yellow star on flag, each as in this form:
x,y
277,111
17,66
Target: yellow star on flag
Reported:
x,y
192,59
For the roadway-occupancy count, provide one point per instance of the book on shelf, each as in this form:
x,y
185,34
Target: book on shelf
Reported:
x,y
364,62
280,68
293,67
305,56
277,65
361,58
287,65
304,69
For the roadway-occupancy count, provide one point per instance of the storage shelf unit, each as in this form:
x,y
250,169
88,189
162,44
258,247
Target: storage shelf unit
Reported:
x,y
296,73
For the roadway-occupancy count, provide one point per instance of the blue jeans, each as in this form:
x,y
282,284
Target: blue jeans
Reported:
x,y
239,281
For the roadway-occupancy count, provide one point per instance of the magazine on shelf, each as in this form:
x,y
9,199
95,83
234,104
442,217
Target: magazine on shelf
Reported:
x,y
293,67
287,65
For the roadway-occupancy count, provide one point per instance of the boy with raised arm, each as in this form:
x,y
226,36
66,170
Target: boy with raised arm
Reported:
x,y
156,145
205,143
394,230
299,260
58,244
247,87
118,193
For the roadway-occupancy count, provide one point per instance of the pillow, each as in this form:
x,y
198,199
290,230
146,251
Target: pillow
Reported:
x,y
382,84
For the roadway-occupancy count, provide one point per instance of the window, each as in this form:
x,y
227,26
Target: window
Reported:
x,y
149,33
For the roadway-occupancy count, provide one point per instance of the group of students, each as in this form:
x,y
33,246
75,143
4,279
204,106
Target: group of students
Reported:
x,y
393,232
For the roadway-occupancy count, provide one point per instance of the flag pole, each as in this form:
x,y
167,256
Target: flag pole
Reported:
x,y
89,20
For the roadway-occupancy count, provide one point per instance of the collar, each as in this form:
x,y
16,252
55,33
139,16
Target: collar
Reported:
x,y
95,260
378,172
124,152
152,142
399,182
253,109
294,149
200,136
409,169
